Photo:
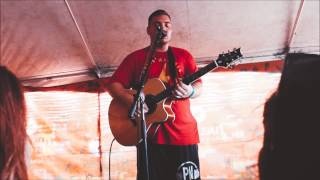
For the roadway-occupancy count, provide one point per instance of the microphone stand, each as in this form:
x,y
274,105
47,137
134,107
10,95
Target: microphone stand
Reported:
x,y
138,101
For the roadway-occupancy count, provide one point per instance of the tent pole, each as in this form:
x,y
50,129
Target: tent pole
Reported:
x,y
82,37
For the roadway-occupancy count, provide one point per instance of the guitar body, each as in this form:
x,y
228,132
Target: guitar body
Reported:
x,y
124,130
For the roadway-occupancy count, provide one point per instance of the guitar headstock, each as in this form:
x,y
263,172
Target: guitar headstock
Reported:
x,y
229,59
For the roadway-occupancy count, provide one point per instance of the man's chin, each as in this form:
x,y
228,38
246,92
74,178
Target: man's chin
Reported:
x,y
164,41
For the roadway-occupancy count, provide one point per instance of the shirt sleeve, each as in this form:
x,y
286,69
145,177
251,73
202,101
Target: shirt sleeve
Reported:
x,y
124,73
191,66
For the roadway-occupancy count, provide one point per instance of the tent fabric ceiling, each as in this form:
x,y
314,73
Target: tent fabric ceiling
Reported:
x,y
55,42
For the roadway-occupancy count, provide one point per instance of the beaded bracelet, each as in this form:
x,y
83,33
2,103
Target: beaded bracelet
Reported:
x,y
192,93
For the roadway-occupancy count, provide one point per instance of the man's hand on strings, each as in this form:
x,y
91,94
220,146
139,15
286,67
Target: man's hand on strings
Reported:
x,y
145,107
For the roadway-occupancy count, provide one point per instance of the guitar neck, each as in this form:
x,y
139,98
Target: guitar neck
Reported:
x,y
187,80
204,70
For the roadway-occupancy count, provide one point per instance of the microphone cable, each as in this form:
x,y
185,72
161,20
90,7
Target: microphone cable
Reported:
x,y
110,158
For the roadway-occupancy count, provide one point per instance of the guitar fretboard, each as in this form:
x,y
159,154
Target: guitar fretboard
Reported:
x,y
187,80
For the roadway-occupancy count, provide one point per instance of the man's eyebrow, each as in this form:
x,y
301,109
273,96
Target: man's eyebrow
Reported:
x,y
167,21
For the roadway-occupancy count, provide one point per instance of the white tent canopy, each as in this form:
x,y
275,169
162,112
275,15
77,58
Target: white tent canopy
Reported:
x,y
55,42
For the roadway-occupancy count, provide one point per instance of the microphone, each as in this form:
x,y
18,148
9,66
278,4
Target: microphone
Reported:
x,y
161,33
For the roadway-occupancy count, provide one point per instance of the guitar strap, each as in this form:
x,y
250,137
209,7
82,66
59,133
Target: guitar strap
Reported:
x,y
173,76
172,66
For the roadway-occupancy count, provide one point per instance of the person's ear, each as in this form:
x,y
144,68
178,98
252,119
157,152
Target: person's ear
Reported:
x,y
148,30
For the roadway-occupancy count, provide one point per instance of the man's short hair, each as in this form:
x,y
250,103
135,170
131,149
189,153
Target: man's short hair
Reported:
x,y
158,12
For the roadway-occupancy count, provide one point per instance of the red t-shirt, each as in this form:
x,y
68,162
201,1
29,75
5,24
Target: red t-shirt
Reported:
x,y
183,130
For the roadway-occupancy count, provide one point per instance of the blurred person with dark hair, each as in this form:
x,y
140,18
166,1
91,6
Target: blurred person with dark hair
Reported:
x,y
173,144
13,134
291,120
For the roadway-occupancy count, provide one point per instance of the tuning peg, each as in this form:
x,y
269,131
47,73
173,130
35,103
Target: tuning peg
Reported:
x,y
231,66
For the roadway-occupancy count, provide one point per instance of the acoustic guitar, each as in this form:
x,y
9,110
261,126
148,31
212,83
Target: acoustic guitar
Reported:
x,y
127,133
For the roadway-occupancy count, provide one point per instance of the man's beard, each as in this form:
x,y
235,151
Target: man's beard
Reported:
x,y
162,43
